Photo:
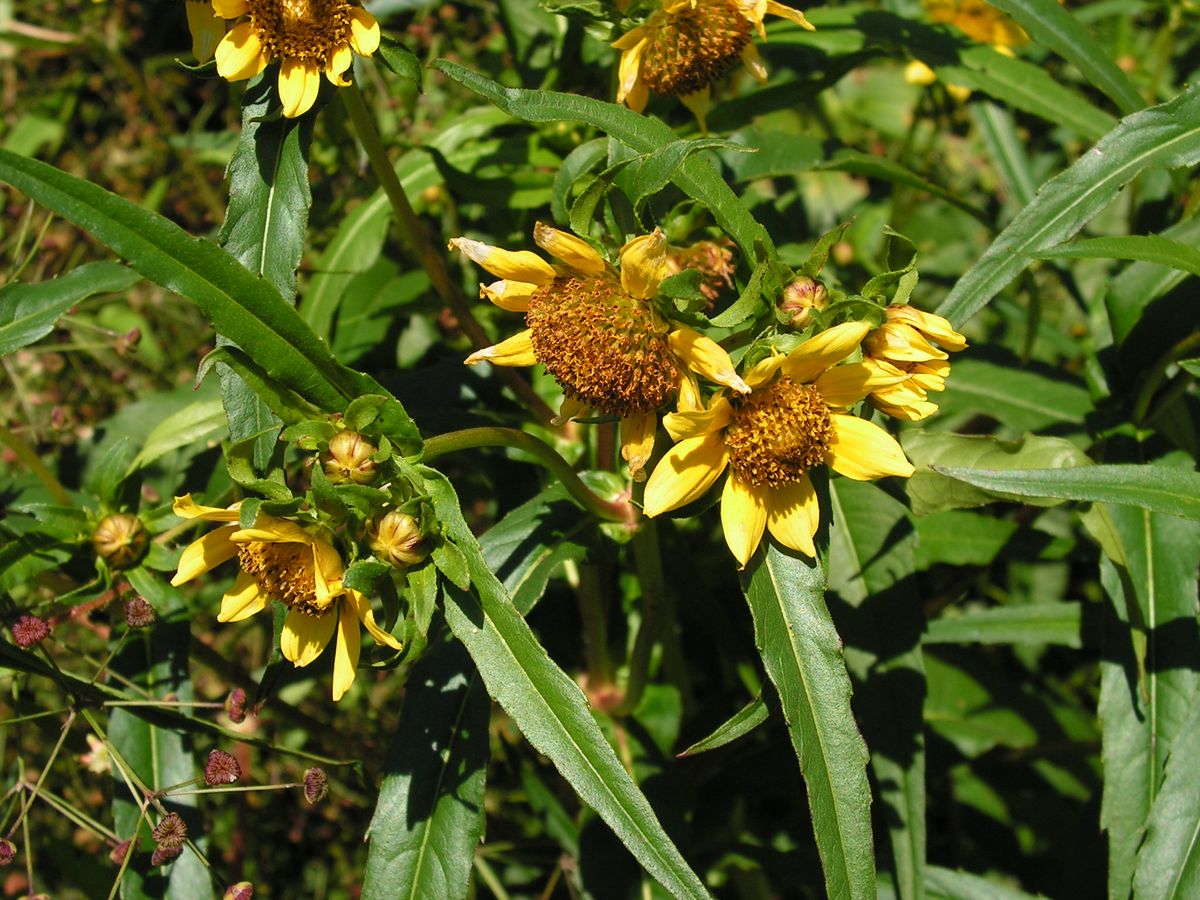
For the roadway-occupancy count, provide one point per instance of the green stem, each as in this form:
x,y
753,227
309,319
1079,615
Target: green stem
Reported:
x,y
595,628
1181,350
647,559
430,258
467,438
35,465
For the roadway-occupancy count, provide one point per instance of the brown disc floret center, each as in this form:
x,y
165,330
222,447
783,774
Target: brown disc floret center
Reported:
x,y
779,433
688,50
285,571
604,348
301,29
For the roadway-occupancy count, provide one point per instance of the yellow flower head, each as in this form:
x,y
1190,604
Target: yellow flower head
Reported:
x,y
979,21
793,419
307,37
907,346
592,327
686,45
281,560
205,27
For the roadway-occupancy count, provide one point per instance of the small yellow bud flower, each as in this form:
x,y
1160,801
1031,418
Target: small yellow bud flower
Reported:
x,y
349,459
396,538
120,539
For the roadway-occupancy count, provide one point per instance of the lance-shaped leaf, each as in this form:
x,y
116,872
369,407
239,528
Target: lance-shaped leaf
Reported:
x,y
803,657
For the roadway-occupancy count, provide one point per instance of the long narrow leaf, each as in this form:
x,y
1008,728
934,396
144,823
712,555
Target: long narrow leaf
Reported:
x,y
1149,248
803,657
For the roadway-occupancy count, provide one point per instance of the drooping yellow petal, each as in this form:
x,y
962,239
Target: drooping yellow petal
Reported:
x,y
518,265
764,370
911,411
689,399
187,508
304,637
340,60
515,351
327,572
823,350
243,600
901,343
792,15
362,608
931,325
273,530
743,518
706,358
575,252
629,39
240,53
230,9
364,31
686,471
206,29
637,442
753,62
684,424
863,451
793,515
644,264
205,553
299,83
930,376
510,295
638,96
843,386
754,12
699,103
570,408
630,70
345,651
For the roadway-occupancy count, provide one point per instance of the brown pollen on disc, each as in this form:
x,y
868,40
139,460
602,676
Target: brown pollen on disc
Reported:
x,y
605,348
779,433
301,29
284,571
688,50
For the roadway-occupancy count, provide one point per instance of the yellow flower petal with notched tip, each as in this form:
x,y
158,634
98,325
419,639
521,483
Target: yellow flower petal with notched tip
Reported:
x,y
512,296
240,54
685,473
693,423
304,637
823,350
205,553
644,264
517,265
575,252
362,607
743,518
515,351
339,63
793,515
863,451
345,651
299,83
364,32
243,600
706,357
637,442
270,529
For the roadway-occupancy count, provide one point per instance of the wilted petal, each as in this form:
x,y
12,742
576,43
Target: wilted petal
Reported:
x,y
575,252
518,265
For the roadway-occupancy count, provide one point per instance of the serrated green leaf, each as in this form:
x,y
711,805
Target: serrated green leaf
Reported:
x,y
1043,623
430,813
400,60
28,311
654,170
1149,248
738,725
1166,136
803,657
747,303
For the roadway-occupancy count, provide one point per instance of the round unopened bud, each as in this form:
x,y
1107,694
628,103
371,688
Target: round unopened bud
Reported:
x,y
801,297
348,459
235,706
316,784
221,768
8,852
396,538
139,613
119,852
170,832
30,630
120,539
164,855
243,890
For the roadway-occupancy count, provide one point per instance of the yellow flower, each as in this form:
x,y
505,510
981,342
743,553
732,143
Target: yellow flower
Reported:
x,y
281,560
686,45
904,346
206,28
307,37
594,330
793,419
979,21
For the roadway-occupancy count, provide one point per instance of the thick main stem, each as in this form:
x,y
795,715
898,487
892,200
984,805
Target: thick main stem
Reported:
x,y
430,258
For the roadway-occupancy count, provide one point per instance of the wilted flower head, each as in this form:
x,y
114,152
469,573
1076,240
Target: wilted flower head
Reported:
x,y
221,768
594,329
139,613
170,832
8,852
30,630
120,539
316,784
713,259
349,459
235,706
396,538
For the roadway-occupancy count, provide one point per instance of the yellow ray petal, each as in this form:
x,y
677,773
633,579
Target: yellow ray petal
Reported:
x,y
638,96
752,60
863,451
187,508
644,264
240,53
630,69
518,265
345,652
364,31
327,572
689,399
340,60
793,515
243,600
230,9
515,351
570,408
637,442
273,530
629,39
510,295
743,518
575,252
686,471
792,15
764,370
929,324
304,637
299,82
844,386
362,608
821,351
912,411
206,553
917,72
694,423
206,29
901,343
706,358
